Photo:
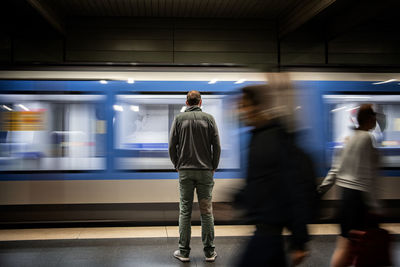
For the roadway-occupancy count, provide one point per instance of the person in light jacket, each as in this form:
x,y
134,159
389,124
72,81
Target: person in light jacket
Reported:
x,y
354,170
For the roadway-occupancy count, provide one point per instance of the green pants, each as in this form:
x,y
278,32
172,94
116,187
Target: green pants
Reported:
x,y
203,182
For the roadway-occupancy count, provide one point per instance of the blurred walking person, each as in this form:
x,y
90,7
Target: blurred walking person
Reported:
x,y
273,198
354,170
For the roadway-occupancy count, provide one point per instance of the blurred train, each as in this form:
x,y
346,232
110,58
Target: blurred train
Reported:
x,y
92,146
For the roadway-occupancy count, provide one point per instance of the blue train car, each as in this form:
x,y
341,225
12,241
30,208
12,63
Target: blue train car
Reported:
x,y
101,145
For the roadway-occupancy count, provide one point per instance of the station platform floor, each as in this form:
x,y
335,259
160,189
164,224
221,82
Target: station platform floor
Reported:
x,y
147,246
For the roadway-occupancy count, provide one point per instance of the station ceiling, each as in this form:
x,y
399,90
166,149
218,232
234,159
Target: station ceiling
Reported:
x,y
267,9
330,16
333,15
295,32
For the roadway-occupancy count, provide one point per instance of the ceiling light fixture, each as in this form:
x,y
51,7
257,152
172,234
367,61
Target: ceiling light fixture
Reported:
x,y
350,109
135,108
240,81
23,107
9,109
118,108
337,109
213,81
388,81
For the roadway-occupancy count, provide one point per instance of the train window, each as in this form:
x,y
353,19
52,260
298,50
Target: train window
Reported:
x,y
57,132
142,125
343,119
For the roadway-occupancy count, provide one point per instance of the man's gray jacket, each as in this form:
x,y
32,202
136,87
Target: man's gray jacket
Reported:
x,y
194,141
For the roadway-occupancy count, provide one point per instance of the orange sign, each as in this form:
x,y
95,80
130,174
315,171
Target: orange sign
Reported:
x,y
23,121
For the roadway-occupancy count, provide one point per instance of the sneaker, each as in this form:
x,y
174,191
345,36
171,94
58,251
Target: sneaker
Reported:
x,y
212,257
179,256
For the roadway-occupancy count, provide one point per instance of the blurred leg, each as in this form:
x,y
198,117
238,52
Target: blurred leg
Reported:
x,y
204,187
264,250
352,215
186,189
342,256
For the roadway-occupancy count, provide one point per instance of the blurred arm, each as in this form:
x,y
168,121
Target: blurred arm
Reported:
x,y
330,178
173,144
328,182
375,187
216,146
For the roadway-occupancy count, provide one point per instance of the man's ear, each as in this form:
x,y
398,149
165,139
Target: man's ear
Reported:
x,y
187,103
201,101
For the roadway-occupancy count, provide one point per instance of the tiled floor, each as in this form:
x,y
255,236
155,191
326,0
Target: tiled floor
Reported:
x,y
116,232
143,246
152,232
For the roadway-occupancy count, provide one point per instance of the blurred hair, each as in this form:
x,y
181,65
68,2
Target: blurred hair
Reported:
x,y
365,113
275,99
255,94
193,97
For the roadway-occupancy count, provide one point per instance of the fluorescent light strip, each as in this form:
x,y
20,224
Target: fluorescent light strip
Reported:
x,y
346,97
388,81
23,107
103,82
118,108
166,96
240,81
9,109
337,109
213,81
135,108
350,109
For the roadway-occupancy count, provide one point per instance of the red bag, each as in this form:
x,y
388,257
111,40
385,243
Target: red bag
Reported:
x,y
371,247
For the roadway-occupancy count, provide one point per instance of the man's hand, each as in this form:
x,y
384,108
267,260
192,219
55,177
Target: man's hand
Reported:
x,y
297,256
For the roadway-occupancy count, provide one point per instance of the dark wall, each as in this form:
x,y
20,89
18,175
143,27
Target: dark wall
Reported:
x,y
26,37
195,41
5,49
376,42
303,47
186,41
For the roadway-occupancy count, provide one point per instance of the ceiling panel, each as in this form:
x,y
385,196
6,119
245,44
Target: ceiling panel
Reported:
x,y
266,9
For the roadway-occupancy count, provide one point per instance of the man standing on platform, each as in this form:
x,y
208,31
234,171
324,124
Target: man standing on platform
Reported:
x,y
194,149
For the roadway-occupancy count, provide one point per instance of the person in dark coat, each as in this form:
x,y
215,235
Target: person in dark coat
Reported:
x,y
272,198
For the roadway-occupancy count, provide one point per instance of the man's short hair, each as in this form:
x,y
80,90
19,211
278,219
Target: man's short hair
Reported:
x,y
193,97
